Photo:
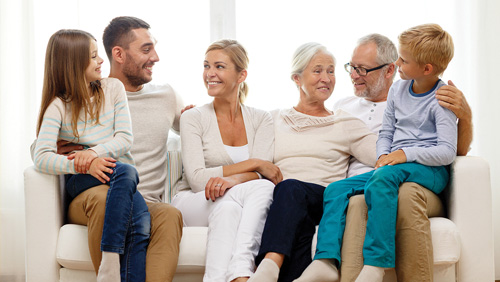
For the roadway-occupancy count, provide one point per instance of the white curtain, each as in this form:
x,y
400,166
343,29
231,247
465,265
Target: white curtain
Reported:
x,y
16,130
475,68
485,71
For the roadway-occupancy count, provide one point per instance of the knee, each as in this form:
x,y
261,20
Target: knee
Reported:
x,y
411,200
166,215
333,190
143,224
288,190
166,223
96,199
127,173
265,189
357,204
384,174
266,184
225,209
383,182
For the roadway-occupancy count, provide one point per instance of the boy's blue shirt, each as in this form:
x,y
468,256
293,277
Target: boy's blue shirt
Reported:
x,y
417,124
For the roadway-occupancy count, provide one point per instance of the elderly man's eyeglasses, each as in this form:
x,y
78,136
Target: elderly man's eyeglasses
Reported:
x,y
360,70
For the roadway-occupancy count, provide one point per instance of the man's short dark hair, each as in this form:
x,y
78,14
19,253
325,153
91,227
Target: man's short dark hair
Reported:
x,y
118,33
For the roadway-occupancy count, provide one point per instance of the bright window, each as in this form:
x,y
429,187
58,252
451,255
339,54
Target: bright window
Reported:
x,y
182,29
272,30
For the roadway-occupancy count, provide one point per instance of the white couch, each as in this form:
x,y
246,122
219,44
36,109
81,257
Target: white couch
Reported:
x,y
463,242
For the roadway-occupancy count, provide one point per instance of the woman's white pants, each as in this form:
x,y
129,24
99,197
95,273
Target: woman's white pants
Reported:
x,y
235,222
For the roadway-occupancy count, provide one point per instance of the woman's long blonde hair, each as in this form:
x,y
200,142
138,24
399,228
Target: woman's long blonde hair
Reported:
x,y
66,59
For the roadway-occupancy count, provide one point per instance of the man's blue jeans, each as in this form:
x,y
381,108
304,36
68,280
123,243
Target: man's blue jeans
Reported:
x,y
127,222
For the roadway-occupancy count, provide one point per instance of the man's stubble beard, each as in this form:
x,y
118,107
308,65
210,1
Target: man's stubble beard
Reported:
x,y
131,71
374,91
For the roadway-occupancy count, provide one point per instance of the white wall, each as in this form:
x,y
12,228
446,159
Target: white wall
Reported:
x,y
486,113
477,57
15,107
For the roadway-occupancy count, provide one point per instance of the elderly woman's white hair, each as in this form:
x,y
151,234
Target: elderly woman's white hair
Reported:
x,y
304,54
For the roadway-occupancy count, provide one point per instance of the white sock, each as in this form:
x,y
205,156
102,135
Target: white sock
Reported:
x,y
268,271
320,270
109,270
371,274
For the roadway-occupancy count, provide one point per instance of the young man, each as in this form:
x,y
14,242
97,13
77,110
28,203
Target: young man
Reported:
x,y
416,204
154,109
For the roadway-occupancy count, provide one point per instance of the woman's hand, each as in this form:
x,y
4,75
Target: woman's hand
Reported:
x,y
83,159
270,171
396,157
100,166
217,186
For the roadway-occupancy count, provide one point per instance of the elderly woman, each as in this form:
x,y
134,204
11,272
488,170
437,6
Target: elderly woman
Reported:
x,y
227,148
312,148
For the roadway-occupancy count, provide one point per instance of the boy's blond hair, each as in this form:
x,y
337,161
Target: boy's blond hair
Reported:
x,y
428,44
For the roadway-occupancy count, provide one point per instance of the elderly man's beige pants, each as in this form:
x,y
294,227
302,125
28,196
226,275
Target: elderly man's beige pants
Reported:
x,y
414,256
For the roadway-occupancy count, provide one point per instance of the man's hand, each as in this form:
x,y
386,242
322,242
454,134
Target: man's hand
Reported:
x,y
65,147
188,107
452,98
100,166
83,159
396,157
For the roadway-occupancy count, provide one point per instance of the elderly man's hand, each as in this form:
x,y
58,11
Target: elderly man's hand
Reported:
x,y
452,98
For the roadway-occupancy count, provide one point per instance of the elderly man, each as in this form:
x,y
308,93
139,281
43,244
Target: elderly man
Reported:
x,y
372,71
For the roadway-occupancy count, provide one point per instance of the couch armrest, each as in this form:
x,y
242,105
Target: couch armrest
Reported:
x,y
44,211
470,208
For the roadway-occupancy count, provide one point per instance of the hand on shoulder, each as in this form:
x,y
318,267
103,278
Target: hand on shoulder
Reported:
x,y
450,97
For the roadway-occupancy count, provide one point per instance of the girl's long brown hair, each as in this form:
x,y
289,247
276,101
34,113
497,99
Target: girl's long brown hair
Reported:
x,y
66,59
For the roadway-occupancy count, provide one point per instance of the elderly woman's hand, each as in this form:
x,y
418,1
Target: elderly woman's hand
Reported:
x,y
270,171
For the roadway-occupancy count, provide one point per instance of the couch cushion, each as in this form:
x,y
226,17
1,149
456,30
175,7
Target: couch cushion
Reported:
x,y
73,252
445,241
73,248
193,249
73,275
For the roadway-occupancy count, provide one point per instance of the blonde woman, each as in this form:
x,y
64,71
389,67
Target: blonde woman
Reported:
x,y
229,177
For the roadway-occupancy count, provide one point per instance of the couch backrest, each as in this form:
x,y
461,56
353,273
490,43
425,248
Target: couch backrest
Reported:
x,y
174,165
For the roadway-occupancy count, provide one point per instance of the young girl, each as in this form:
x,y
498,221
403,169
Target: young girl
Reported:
x,y
80,107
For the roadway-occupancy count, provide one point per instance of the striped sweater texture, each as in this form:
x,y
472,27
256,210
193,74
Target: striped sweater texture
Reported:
x,y
111,137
